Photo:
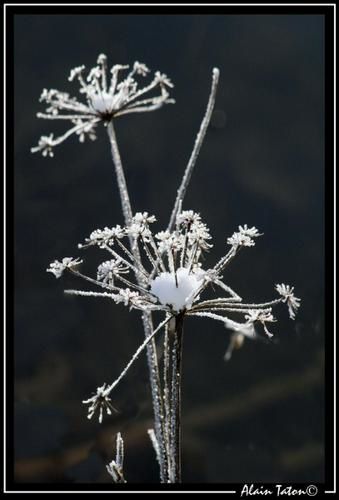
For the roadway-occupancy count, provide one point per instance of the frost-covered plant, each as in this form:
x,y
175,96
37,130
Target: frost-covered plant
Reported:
x,y
171,274
155,272
105,98
171,280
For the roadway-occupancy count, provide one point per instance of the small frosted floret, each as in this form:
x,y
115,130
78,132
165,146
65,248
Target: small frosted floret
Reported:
x,y
177,292
100,402
128,297
144,218
293,303
140,225
110,269
104,237
188,217
244,237
45,145
169,241
57,268
262,317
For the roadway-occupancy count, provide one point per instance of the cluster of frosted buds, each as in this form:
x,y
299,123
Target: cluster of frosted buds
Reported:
x,y
58,268
244,237
262,317
292,302
108,269
106,96
172,277
99,402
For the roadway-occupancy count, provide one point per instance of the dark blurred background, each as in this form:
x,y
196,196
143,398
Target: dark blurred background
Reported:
x,y
260,417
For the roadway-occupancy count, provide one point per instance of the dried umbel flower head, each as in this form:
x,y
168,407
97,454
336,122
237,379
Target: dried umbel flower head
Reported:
x,y
164,272
106,95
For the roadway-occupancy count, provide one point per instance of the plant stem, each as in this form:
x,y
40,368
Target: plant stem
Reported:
x,y
119,171
177,334
196,149
158,409
152,358
178,345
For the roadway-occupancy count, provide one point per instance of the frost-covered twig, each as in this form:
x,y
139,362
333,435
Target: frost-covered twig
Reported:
x,y
119,171
135,356
116,467
196,149
155,444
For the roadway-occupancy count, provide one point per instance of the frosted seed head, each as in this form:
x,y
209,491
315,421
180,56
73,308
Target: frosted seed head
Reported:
x,y
140,68
188,217
109,269
163,79
262,316
293,303
244,237
57,268
103,100
100,401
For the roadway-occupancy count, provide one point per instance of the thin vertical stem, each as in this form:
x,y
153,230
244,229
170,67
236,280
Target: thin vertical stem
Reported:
x,y
166,388
152,358
119,171
159,419
196,149
179,345
175,433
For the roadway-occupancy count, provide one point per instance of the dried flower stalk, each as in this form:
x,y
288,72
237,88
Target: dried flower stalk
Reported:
x,y
154,271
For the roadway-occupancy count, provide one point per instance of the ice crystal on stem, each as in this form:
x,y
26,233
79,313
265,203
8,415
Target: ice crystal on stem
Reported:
x,y
106,95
